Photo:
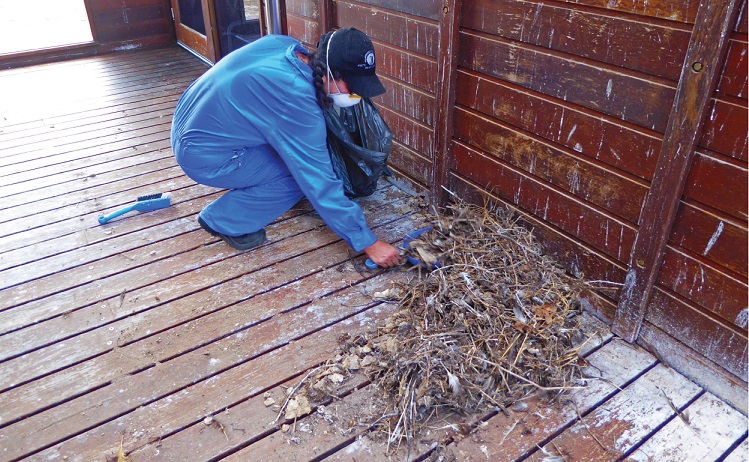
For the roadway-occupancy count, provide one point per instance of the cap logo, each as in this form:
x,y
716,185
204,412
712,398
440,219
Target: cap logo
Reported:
x,y
369,59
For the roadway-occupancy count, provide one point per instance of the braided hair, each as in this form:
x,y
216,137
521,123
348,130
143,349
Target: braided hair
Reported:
x,y
319,70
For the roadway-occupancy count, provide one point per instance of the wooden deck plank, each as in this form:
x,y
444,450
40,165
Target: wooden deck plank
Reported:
x,y
55,126
26,182
613,428
112,278
34,120
314,437
143,314
81,217
53,184
252,422
516,435
61,133
740,454
85,140
218,387
61,240
86,311
76,90
713,428
142,143
45,210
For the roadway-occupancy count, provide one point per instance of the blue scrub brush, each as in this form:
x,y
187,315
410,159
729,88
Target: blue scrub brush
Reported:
x,y
143,204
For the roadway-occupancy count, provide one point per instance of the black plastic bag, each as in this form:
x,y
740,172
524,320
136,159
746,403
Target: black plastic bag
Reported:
x,y
359,142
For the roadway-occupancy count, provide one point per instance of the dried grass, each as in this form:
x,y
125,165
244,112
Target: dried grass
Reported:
x,y
495,322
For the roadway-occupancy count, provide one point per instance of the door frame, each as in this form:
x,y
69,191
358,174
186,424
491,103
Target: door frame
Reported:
x,y
203,46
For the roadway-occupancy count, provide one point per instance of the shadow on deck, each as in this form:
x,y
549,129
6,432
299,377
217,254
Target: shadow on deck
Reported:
x,y
135,332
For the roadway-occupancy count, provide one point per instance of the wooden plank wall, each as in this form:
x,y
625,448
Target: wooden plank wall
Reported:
x,y
560,111
405,35
700,297
131,23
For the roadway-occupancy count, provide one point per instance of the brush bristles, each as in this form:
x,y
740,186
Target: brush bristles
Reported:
x,y
150,197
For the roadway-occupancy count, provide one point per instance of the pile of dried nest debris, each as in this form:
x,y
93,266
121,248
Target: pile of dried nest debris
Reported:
x,y
485,319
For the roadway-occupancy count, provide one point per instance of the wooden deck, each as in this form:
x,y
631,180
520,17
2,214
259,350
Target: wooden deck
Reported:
x,y
132,333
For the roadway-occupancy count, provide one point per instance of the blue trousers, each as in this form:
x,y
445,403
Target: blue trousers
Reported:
x,y
260,185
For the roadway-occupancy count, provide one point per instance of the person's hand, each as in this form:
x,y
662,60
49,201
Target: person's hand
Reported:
x,y
383,254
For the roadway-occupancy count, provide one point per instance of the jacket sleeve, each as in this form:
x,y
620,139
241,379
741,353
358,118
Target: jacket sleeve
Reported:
x,y
300,139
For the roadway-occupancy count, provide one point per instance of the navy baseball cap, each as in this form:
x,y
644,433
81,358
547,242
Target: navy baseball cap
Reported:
x,y
352,54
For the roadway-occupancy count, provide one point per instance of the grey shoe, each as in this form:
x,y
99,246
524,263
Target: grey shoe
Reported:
x,y
243,242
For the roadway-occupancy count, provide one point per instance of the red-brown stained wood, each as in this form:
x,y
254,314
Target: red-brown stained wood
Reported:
x,y
80,137
675,10
610,91
409,132
647,47
689,109
320,439
30,118
733,79
303,29
449,25
407,100
705,285
118,4
47,228
402,31
720,183
711,236
118,21
410,162
307,8
113,273
59,241
407,67
129,15
586,132
604,233
430,9
125,32
720,342
725,128
741,22
175,305
250,421
576,174
159,107
24,205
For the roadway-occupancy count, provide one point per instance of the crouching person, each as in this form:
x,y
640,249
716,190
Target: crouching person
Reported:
x,y
254,124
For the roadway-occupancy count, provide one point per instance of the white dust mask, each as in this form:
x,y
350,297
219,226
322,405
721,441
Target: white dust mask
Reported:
x,y
345,99
339,99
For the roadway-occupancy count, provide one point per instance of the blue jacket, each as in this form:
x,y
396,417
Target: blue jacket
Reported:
x,y
263,94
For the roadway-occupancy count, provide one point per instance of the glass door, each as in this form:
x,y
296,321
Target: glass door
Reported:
x,y
239,22
194,27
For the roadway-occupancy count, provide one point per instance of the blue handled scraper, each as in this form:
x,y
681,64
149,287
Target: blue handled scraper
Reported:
x,y
143,204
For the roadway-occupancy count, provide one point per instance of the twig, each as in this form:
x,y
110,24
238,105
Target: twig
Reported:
x,y
587,428
291,394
